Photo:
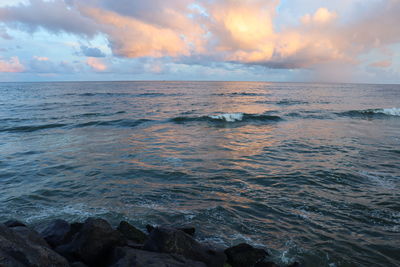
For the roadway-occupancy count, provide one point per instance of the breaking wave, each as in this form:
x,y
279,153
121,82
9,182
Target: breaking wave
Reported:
x,y
229,117
372,112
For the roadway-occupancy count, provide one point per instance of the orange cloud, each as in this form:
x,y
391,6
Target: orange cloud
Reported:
x,y
11,65
96,64
130,37
41,58
241,31
321,16
381,64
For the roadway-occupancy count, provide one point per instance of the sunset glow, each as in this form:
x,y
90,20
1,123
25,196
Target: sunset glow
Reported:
x,y
358,41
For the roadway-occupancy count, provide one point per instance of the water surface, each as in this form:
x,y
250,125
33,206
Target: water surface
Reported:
x,y
310,171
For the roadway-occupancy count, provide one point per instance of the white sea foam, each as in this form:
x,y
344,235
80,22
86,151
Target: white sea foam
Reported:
x,y
229,117
389,111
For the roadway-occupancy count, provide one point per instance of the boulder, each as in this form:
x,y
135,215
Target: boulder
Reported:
x,y
132,233
128,257
244,255
266,264
188,230
17,251
93,243
31,235
57,232
13,223
168,240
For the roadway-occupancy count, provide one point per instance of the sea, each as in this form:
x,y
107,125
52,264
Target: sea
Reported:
x,y
309,171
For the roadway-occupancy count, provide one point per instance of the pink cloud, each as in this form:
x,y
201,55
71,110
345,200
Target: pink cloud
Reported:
x,y
96,64
11,65
220,30
381,64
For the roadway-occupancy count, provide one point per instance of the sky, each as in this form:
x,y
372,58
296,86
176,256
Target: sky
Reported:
x,y
250,40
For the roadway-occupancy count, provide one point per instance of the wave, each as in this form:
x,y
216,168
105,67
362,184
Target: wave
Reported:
x,y
119,123
229,118
116,123
32,128
380,112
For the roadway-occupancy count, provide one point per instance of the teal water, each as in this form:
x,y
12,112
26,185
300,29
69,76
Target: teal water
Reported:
x,y
310,171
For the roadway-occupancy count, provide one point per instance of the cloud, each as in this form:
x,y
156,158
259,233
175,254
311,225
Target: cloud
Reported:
x,y
321,16
96,64
232,31
44,65
11,65
41,58
92,51
381,64
55,16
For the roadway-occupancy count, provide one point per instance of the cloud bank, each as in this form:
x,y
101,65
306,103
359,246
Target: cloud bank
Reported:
x,y
243,32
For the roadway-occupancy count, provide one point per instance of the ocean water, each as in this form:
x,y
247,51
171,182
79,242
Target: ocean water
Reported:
x,y
309,171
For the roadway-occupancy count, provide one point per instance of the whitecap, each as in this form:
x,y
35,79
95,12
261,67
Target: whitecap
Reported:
x,y
229,117
389,111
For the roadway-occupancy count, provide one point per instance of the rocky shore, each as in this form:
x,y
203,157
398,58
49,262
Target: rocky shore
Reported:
x,y
96,243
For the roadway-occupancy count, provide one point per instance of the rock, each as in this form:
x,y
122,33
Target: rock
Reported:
x,y
266,264
188,230
31,235
13,223
17,251
244,255
78,264
57,233
93,243
149,228
131,233
295,264
168,240
128,257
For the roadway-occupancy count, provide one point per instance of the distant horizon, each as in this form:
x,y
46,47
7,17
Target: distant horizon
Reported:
x,y
221,81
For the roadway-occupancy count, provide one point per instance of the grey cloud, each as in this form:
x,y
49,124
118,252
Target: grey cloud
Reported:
x,y
55,16
92,51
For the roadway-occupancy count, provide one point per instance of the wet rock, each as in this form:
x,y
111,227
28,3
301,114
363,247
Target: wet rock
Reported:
x,y
127,257
18,251
13,223
244,255
78,264
132,233
188,230
168,240
31,235
56,233
266,264
93,243
149,228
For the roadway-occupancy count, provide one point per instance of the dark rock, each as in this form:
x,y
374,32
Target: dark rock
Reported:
x,y
189,230
133,244
132,233
93,243
31,235
56,233
13,223
127,257
266,264
78,264
168,240
244,255
294,264
18,251
149,228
